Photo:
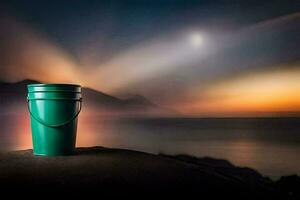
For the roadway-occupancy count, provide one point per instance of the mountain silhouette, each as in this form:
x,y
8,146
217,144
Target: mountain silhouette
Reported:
x,y
13,99
136,100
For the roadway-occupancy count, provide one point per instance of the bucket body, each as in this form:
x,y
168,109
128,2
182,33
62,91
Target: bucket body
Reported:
x,y
54,110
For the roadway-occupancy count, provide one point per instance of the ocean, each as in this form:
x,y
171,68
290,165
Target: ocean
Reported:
x,y
269,145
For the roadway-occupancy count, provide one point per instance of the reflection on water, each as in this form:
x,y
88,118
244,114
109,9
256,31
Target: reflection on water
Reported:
x,y
269,145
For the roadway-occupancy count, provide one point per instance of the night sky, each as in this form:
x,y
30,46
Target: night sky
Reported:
x,y
198,57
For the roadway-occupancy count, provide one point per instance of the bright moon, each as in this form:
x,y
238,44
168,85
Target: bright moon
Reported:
x,y
195,39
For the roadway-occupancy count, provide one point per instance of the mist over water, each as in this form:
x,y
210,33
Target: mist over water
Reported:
x,y
269,145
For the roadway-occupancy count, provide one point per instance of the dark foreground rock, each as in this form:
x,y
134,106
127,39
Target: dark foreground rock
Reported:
x,y
103,169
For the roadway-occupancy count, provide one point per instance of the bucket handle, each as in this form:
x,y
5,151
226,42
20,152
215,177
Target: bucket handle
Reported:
x,y
60,124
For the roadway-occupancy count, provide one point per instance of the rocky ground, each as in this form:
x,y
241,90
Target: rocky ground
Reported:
x,y
99,169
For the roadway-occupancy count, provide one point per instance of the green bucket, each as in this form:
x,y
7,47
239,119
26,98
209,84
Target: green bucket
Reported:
x,y
54,109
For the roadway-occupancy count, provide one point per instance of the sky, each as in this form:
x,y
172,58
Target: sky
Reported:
x,y
201,58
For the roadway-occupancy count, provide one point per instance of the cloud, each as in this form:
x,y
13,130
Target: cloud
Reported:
x,y
168,69
264,45
26,54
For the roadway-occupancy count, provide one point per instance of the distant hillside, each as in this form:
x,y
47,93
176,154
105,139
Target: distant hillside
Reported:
x,y
13,99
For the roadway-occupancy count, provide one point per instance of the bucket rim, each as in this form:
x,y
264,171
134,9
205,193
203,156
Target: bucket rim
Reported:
x,y
52,84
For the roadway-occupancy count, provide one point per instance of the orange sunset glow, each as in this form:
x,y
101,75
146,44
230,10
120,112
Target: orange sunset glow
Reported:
x,y
195,71
274,91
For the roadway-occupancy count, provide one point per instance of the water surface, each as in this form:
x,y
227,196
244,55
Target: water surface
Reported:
x,y
269,145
